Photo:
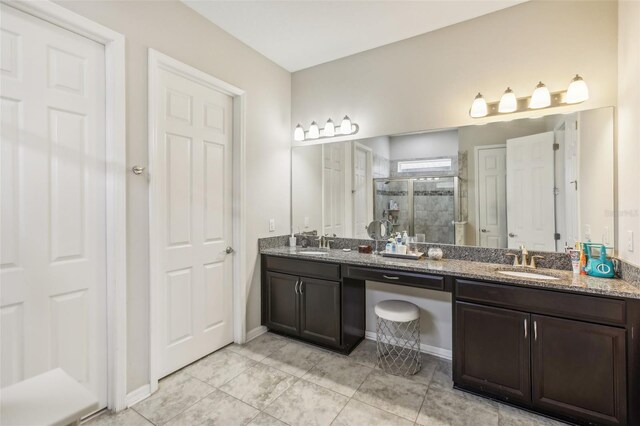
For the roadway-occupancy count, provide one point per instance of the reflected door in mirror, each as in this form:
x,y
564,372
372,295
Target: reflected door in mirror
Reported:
x,y
530,192
492,196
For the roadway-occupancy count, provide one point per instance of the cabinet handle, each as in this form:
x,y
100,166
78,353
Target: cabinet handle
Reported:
x,y
296,286
389,277
525,328
300,288
535,330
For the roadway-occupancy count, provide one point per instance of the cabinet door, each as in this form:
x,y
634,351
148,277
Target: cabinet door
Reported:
x,y
492,351
283,303
320,311
579,370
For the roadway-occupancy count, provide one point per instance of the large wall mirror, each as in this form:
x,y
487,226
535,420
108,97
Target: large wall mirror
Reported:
x,y
543,182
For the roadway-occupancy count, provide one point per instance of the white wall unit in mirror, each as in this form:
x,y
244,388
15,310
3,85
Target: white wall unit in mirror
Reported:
x,y
545,182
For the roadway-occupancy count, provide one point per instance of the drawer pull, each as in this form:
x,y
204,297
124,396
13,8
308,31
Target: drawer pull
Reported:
x,y
389,277
525,328
296,286
300,288
535,330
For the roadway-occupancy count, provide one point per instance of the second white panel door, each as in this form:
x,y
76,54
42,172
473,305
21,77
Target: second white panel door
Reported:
x,y
530,192
192,167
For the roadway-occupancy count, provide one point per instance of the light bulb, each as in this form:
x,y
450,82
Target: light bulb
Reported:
x,y
329,129
345,126
577,91
314,132
541,97
508,101
478,107
298,133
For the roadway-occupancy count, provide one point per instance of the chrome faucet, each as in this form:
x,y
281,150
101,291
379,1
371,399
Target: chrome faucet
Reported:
x,y
524,255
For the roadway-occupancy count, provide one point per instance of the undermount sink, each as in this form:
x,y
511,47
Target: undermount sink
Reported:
x,y
313,252
524,274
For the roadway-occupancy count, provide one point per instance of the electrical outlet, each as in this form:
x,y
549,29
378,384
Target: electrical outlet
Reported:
x,y
587,232
272,225
306,221
629,240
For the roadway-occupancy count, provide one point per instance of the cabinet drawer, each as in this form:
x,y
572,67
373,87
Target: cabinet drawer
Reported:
x,y
306,268
433,282
555,303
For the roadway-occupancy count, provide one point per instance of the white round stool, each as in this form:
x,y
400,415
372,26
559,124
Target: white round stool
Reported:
x,y
398,337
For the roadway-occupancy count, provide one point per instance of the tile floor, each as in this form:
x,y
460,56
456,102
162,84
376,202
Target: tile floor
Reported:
x,y
276,381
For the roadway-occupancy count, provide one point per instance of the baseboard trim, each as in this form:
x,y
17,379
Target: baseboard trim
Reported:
x,y
252,334
138,395
427,349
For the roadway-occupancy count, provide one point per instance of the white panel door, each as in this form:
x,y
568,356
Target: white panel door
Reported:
x,y
333,177
530,192
362,190
192,168
53,200
491,166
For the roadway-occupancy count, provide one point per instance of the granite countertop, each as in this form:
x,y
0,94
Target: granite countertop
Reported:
x,y
468,269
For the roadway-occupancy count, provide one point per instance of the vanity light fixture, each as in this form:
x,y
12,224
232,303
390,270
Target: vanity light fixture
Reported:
x,y
345,126
540,98
577,91
508,101
314,131
330,131
298,133
478,107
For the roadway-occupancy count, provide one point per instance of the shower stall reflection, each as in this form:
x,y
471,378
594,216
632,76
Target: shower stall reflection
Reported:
x,y
419,205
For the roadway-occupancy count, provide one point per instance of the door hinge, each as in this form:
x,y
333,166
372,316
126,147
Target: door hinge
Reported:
x,y
556,236
556,146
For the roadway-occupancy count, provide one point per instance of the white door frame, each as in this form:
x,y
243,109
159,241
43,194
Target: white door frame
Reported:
x,y
158,61
116,182
476,150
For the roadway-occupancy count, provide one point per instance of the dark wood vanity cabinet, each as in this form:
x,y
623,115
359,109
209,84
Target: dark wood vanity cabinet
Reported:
x,y
579,369
568,368
320,311
492,351
304,307
306,299
283,303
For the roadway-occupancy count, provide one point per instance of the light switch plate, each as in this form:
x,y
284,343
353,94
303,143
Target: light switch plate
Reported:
x,y
272,225
306,221
630,240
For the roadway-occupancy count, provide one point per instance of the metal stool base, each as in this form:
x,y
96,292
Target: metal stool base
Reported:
x,y
398,346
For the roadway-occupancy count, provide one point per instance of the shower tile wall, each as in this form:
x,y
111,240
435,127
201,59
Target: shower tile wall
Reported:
x,y
398,192
433,206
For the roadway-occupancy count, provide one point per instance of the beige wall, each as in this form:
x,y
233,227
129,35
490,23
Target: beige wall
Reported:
x,y
176,30
429,81
629,128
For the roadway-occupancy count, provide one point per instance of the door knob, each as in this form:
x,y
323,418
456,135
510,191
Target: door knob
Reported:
x,y
483,230
512,235
137,170
229,250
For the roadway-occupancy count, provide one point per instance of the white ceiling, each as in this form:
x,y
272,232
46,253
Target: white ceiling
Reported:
x,y
303,33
